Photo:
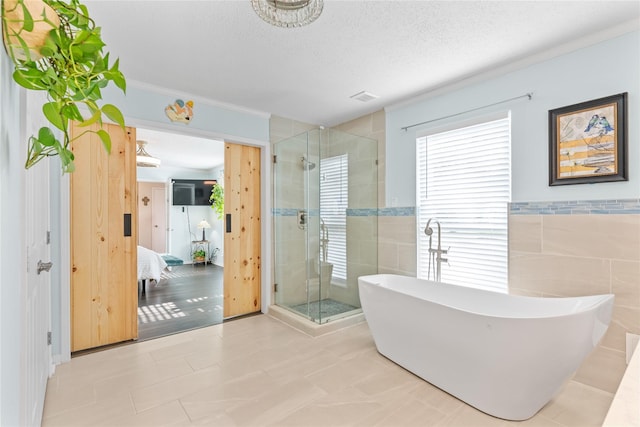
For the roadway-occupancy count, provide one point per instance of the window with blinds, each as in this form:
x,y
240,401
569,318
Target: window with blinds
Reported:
x,y
334,197
464,181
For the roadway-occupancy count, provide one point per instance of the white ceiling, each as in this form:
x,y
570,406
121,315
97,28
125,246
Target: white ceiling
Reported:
x,y
182,151
222,51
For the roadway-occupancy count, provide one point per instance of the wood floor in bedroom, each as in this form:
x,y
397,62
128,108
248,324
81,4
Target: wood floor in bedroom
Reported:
x,y
187,297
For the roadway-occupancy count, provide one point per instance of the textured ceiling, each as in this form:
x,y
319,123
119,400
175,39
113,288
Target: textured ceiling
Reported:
x,y
222,51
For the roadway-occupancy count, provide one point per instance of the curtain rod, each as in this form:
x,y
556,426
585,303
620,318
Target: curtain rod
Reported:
x,y
527,95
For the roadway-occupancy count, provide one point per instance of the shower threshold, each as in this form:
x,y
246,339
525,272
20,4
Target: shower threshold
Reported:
x,y
303,323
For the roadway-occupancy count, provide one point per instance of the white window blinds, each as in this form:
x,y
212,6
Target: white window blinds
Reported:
x,y
464,178
334,197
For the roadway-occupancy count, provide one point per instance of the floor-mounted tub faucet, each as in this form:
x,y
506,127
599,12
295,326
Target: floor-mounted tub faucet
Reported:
x,y
435,254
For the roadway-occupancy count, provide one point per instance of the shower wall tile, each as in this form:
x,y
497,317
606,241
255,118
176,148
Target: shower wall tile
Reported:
x,y
372,126
362,126
407,259
367,254
290,269
362,255
582,248
397,244
282,128
388,258
378,121
362,228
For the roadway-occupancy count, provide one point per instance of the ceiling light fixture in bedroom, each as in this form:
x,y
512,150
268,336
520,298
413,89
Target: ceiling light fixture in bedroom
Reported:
x,y
144,159
288,13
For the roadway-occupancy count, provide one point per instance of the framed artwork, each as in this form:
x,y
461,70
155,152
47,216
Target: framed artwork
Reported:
x,y
588,142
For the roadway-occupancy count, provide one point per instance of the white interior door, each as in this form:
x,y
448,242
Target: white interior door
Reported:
x,y
36,323
159,219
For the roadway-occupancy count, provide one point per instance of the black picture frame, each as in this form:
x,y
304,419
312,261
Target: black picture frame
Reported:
x,y
588,142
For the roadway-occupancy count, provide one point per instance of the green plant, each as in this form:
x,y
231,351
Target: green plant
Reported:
x,y
217,200
199,253
70,67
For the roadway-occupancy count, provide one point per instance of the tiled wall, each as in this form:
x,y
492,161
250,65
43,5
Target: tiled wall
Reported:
x,y
397,241
397,225
582,248
555,249
289,258
291,246
371,126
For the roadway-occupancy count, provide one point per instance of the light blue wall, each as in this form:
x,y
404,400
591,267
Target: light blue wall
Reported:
x,y
604,69
147,105
144,107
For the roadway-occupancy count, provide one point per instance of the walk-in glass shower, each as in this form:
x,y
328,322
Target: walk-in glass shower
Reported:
x,y
325,222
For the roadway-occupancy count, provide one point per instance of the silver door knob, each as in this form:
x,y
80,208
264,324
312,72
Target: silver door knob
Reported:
x,y
44,266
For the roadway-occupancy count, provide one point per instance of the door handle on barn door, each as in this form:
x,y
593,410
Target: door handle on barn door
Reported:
x,y
44,266
127,225
228,223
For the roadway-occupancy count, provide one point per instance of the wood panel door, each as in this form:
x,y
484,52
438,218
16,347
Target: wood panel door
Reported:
x,y
159,219
104,290
242,258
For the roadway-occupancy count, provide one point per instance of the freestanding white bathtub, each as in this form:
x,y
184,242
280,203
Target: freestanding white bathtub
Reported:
x,y
505,355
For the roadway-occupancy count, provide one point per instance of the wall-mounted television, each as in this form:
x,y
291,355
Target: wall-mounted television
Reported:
x,y
192,192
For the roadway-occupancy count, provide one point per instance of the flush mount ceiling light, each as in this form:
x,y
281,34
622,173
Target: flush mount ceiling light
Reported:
x,y
144,159
288,13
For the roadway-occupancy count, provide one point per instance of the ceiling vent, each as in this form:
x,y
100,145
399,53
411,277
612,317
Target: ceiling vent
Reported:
x,y
364,96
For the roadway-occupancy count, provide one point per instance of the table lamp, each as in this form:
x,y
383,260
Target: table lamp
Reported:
x,y
203,225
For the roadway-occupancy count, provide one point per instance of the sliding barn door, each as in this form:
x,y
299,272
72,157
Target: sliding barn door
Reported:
x,y
104,289
242,267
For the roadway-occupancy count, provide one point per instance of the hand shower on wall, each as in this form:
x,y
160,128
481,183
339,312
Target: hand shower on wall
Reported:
x,y
324,240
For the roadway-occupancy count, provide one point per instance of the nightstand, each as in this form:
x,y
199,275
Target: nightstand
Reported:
x,y
201,249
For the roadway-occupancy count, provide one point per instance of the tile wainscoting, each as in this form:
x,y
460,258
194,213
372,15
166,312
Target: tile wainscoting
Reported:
x,y
582,248
397,241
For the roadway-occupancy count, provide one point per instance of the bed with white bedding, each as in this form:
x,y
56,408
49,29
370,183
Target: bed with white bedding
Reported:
x,y
150,266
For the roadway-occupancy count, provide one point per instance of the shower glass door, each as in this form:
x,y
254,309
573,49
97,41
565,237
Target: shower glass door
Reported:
x,y
325,222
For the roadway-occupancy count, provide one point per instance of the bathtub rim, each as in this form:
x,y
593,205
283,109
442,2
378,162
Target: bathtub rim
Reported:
x,y
586,303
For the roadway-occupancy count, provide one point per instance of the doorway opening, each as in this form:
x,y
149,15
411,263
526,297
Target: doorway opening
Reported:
x,y
183,235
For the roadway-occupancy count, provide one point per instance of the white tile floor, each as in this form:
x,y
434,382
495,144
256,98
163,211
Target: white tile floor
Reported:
x,y
258,371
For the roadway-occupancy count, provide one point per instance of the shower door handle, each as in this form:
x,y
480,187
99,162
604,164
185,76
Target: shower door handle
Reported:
x,y
227,223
